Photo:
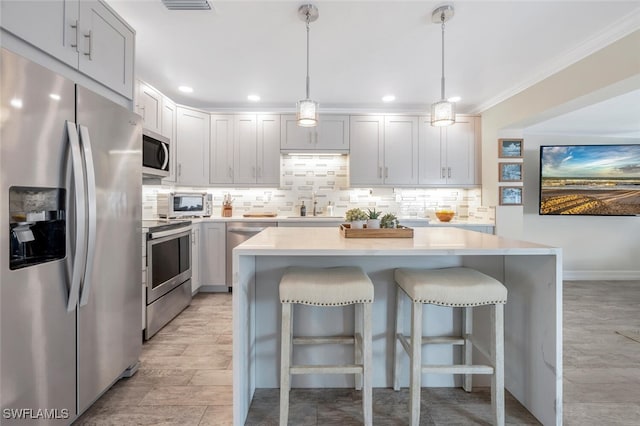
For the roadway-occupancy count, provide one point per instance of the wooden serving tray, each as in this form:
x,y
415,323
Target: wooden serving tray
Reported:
x,y
402,232
260,214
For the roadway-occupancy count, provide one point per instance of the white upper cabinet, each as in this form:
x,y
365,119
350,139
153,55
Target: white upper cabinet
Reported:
x,y
192,147
366,157
245,150
331,134
86,35
400,150
221,149
169,131
383,150
107,42
267,152
448,155
149,106
49,25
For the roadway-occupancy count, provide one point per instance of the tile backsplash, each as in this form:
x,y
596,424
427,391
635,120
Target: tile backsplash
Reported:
x,y
324,179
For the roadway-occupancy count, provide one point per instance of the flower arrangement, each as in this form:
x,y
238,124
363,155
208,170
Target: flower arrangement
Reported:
x,y
353,215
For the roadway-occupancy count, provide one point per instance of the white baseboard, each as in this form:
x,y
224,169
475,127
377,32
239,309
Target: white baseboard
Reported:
x,y
601,275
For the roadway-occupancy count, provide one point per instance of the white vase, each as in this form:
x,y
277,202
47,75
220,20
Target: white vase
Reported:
x,y
357,224
373,223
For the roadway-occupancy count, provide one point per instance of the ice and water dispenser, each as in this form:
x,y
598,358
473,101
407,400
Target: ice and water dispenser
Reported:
x,y
37,218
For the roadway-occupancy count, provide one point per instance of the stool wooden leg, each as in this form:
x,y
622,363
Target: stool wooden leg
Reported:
x,y
358,326
285,361
497,359
415,384
467,331
397,354
367,405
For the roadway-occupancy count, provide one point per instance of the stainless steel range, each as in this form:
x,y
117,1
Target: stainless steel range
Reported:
x,y
168,280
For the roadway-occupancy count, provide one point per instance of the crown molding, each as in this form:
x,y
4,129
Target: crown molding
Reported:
x,y
614,32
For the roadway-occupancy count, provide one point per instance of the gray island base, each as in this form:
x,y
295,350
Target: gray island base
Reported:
x,y
531,272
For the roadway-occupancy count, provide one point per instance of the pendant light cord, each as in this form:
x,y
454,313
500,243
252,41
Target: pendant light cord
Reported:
x,y
442,81
308,17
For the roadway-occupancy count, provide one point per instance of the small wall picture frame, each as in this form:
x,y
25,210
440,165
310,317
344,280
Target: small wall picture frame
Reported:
x,y
510,172
510,148
510,195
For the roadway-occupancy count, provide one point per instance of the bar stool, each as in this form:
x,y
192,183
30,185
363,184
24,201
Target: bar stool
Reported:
x,y
327,287
454,287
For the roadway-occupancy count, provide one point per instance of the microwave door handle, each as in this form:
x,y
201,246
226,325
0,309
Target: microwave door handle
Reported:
x,y
80,213
85,143
165,162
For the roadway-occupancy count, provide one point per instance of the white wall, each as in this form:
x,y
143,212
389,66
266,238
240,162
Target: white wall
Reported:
x,y
594,247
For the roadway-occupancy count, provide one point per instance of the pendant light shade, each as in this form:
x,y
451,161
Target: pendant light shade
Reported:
x,y
443,112
307,109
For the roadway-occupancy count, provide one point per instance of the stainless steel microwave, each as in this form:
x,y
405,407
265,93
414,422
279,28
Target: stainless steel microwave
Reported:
x,y
184,204
155,154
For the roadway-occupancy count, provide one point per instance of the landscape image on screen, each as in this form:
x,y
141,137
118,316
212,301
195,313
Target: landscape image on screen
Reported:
x,y
590,180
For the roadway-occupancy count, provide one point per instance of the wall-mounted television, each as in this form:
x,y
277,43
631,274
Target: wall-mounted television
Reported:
x,y
595,180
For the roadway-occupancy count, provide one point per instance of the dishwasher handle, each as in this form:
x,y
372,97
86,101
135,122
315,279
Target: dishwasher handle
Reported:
x,y
248,229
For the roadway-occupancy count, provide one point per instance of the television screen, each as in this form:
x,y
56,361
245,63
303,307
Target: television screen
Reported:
x,y
601,180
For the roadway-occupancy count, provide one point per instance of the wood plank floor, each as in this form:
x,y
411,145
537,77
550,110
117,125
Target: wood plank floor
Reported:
x,y
185,374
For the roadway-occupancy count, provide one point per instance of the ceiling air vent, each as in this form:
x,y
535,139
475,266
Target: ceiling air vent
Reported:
x,y
187,4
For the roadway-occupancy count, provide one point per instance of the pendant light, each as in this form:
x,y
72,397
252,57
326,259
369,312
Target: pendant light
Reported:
x,y
443,112
307,109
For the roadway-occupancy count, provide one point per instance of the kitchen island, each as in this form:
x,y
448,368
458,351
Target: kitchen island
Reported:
x,y
531,272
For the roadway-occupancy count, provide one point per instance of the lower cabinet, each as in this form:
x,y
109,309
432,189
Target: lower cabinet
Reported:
x,y
212,252
195,258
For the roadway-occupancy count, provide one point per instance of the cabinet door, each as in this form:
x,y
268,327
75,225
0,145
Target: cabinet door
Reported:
x,y
46,24
431,164
460,152
400,150
268,152
332,133
106,47
195,259
149,106
244,150
366,158
192,147
294,137
169,130
221,149
213,254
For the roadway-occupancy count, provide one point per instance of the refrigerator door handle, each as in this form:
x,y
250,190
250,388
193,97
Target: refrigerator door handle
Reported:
x,y
79,190
85,143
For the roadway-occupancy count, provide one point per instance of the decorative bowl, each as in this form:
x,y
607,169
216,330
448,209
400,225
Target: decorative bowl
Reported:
x,y
445,215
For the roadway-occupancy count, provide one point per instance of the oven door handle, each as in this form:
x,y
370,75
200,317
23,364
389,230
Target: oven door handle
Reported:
x,y
161,234
248,229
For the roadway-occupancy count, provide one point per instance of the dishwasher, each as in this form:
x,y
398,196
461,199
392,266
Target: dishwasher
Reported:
x,y
238,232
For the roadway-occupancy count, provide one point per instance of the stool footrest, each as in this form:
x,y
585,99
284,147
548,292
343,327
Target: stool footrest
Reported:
x,y
322,340
457,369
432,340
326,369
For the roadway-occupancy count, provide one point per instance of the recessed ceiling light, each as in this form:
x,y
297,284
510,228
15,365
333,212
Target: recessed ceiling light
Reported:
x,y
185,89
16,103
388,98
253,98
454,99
54,96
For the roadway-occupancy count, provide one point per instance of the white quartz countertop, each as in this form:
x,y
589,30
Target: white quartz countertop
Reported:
x,y
311,219
316,241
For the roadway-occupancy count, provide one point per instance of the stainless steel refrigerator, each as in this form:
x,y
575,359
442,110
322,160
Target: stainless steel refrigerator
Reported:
x,y
70,246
